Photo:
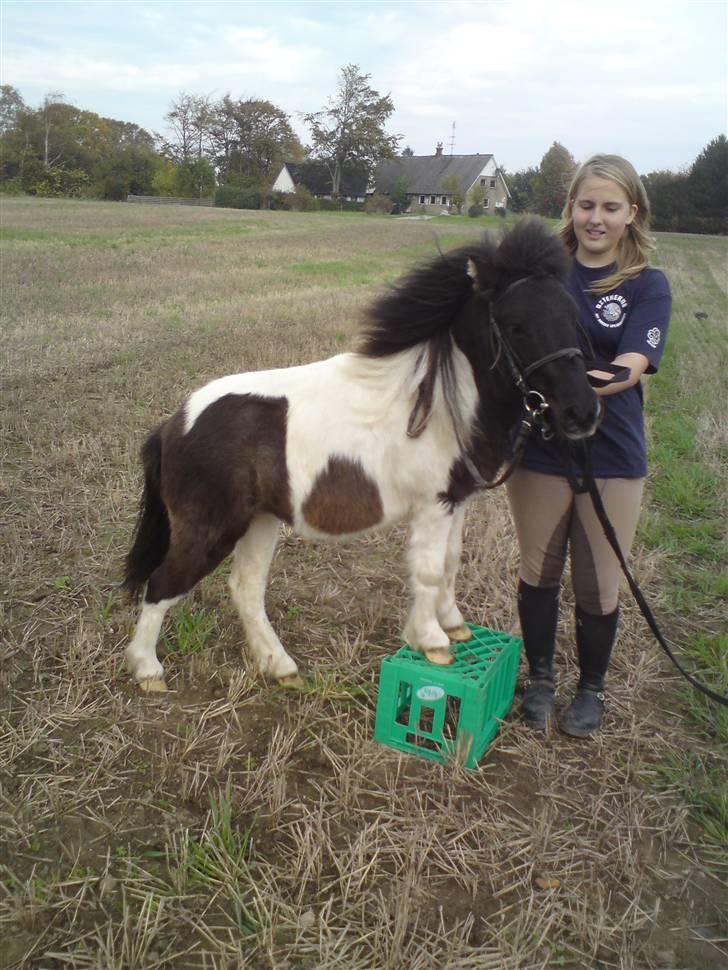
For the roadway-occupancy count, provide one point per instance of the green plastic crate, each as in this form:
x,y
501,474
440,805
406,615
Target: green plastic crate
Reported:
x,y
448,712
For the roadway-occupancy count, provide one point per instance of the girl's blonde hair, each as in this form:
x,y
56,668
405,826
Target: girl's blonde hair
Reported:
x,y
636,244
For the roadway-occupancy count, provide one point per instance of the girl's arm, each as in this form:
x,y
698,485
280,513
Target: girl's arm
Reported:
x,y
637,364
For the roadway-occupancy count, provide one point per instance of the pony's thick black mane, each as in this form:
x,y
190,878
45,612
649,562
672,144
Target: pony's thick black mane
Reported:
x,y
422,306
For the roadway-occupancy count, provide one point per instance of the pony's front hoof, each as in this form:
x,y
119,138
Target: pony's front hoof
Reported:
x,y
153,685
460,634
294,681
439,655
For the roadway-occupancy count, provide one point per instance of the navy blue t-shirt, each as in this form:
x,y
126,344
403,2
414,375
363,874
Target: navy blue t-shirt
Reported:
x,y
632,318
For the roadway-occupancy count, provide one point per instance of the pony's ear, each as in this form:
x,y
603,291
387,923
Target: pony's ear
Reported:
x,y
483,272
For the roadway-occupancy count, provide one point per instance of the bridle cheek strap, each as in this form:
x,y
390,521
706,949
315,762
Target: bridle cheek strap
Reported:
x,y
520,373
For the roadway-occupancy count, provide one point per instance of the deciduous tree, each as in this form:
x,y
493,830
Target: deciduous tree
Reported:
x,y
10,104
552,182
522,188
351,127
708,180
251,138
189,119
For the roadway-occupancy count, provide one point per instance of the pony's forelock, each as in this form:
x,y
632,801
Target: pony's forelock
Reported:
x,y
531,249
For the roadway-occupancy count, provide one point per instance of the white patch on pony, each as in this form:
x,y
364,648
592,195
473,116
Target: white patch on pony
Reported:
x,y
141,653
473,274
448,615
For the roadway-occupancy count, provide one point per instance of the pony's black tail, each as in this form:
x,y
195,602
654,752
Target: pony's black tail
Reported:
x,y
151,534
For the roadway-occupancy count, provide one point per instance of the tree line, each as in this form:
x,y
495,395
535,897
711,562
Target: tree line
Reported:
x,y
233,149
695,200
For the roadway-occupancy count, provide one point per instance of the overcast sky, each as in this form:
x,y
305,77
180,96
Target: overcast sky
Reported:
x,y
641,78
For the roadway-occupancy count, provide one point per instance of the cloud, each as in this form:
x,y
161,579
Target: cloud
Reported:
x,y
514,75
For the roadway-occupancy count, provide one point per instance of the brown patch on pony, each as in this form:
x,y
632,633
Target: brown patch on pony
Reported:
x,y
344,499
228,468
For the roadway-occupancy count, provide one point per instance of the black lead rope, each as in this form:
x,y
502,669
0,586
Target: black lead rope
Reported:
x,y
589,485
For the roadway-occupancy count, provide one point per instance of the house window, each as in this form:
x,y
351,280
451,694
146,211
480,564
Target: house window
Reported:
x,y
444,200
433,199
492,183
482,182
422,200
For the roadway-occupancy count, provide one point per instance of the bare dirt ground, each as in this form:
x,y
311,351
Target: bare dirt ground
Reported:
x,y
228,823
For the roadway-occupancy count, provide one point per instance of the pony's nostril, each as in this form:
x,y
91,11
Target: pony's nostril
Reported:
x,y
580,421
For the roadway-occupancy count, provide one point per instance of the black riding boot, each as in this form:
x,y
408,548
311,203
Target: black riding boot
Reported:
x,y
594,640
538,610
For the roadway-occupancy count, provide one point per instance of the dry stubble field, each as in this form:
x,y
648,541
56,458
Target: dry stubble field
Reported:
x,y
228,823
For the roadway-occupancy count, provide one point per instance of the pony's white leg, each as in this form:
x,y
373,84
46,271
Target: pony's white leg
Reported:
x,y
251,564
449,616
427,550
141,653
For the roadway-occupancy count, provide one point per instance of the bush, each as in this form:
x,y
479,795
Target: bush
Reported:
x,y
278,200
33,172
339,205
500,210
57,182
11,186
302,200
378,203
114,187
475,211
238,197
688,222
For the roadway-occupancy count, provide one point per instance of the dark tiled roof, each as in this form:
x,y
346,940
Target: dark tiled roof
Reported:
x,y
425,173
317,179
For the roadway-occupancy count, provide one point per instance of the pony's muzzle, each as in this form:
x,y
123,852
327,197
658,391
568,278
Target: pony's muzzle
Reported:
x,y
575,424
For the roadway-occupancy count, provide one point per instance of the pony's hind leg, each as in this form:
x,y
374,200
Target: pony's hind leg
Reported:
x,y
190,557
449,616
251,564
141,653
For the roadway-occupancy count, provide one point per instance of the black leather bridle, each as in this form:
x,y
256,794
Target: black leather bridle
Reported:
x,y
519,372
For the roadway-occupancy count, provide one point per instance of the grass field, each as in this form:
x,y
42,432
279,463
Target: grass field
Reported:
x,y
231,824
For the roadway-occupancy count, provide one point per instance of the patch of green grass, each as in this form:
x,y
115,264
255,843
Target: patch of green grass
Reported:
x,y
218,861
104,613
702,785
191,631
130,236
338,271
333,688
686,521
696,587
686,488
694,537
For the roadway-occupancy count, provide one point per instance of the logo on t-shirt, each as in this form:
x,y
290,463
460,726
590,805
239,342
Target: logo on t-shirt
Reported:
x,y
611,310
653,337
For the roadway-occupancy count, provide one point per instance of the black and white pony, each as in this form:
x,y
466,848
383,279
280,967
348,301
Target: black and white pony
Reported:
x,y
402,429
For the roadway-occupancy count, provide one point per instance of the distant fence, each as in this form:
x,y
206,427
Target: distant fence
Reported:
x,y
167,200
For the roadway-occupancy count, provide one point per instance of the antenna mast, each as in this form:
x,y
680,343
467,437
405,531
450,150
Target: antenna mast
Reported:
x,y
452,138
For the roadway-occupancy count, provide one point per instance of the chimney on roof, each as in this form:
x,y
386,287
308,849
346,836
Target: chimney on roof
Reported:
x,y
438,149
